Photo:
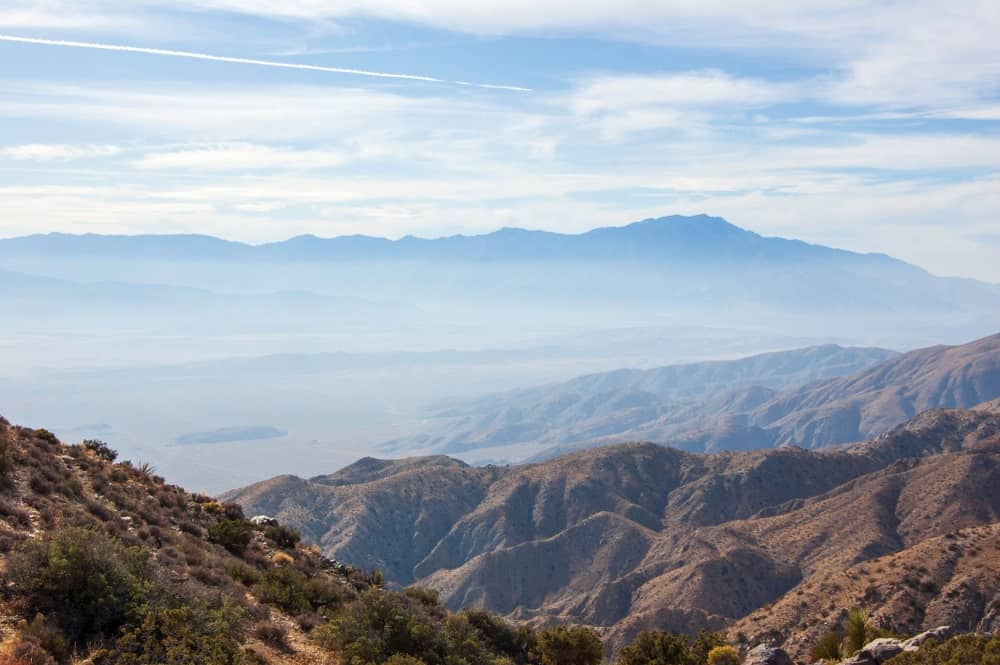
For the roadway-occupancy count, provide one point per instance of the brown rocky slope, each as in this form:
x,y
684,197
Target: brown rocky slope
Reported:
x,y
642,536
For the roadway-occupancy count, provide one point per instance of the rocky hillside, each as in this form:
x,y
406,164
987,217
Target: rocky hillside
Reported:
x,y
103,563
640,536
848,395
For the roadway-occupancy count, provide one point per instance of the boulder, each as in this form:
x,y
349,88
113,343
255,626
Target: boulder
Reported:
x,y
883,648
860,658
263,520
941,633
765,654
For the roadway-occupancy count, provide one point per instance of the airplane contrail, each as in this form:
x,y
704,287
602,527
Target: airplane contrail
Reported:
x,y
251,61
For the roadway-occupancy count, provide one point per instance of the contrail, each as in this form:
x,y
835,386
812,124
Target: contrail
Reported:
x,y
251,61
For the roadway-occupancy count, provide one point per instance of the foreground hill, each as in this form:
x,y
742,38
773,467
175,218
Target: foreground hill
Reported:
x,y
641,536
103,563
811,397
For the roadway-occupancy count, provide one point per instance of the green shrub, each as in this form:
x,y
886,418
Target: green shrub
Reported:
x,y
191,633
284,537
423,595
961,650
859,631
655,647
86,582
380,625
100,449
517,644
243,573
286,588
570,645
233,534
323,595
703,644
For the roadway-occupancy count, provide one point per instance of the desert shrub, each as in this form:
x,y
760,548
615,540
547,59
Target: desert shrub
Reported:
x,y
97,509
655,647
191,528
41,632
282,559
86,582
702,645
381,625
100,449
190,633
828,647
309,620
858,631
15,513
723,655
273,634
569,645
423,595
5,463
46,436
514,643
40,484
207,576
233,534
282,536
243,573
286,588
28,652
403,659
961,650
323,594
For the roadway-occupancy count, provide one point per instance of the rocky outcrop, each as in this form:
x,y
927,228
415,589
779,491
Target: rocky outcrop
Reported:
x,y
882,649
766,654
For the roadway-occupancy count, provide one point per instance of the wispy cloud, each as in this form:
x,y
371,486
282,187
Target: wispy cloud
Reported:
x,y
44,152
250,61
239,157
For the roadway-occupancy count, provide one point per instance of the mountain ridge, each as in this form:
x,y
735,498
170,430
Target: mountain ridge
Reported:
x,y
697,236
853,394
638,536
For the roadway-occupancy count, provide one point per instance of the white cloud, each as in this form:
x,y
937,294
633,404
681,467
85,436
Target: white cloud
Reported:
x,y
683,90
43,152
240,157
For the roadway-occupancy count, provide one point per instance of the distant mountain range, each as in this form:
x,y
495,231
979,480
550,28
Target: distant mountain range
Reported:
x,y
698,270
811,397
699,237
772,544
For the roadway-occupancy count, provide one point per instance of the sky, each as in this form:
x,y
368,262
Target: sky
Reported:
x,y
868,125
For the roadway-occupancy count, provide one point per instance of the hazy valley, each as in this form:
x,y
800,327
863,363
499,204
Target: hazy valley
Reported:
x,y
349,343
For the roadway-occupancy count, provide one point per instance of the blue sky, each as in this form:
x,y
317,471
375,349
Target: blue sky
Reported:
x,y
873,126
